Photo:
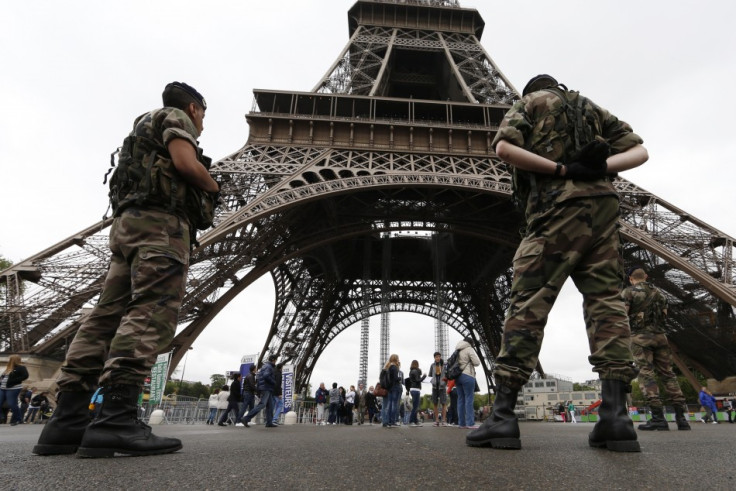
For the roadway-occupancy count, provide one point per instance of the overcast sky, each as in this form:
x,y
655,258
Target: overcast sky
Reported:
x,y
75,74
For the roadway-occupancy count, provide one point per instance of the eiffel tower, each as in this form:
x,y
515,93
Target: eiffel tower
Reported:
x,y
378,191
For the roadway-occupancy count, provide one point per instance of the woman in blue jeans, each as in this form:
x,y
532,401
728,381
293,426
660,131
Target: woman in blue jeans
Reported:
x,y
395,389
10,384
465,384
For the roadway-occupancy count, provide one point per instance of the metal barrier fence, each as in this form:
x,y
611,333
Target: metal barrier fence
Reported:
x,y
191,410
306,412
179,410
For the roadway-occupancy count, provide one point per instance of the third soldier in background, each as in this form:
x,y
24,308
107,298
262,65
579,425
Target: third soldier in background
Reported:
x,y
647,309
564,151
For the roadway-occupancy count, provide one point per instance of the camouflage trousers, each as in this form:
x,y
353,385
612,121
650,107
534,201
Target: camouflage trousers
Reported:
x,y
136,315
653,356
576,239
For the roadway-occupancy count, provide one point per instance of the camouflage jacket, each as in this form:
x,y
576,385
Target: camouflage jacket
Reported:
x,y
539,123
146,176
646,306
165,124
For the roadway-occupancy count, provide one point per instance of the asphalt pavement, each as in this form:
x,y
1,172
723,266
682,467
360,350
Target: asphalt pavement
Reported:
x,y
553,456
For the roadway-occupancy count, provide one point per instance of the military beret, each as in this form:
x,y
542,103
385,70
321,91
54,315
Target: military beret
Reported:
x,y
538,83
174,89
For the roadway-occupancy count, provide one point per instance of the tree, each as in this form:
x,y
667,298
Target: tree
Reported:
x,y
308,395
480,400
581,387
425,402
218,380
188,389
4,264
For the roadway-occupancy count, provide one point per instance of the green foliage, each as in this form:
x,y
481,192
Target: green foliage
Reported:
x,y
637,398
425,402
581,387
188,389
218,380
481,399
4,264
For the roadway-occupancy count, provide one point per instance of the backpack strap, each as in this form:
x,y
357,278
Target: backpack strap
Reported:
x,y
575,116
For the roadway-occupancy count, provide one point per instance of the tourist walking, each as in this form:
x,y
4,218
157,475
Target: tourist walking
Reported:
x,y
265,383
249,392
234,400
212,405
709,404
11,382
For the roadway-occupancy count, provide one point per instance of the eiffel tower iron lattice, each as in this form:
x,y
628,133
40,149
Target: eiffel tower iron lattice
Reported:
x,y
393,143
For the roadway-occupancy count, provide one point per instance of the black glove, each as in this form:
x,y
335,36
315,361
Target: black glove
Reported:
x,y
590,163
595,153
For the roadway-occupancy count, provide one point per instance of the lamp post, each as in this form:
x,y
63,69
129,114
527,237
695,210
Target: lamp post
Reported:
x,y
184,368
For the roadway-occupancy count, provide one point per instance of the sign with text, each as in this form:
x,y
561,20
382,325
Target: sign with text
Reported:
x,y
245,363
287,385
159,372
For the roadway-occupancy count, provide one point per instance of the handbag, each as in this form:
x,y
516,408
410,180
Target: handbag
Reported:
x,y
379,391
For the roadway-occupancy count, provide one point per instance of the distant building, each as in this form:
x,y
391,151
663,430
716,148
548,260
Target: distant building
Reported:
x,y
542,396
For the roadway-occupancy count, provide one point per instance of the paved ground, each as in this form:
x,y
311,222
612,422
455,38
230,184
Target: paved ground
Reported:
x,y
553,456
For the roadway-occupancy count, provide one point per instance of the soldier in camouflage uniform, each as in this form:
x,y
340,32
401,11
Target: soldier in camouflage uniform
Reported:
x,y
160,169
564,150
647,310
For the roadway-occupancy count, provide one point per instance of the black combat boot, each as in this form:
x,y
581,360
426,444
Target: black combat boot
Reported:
x,y
63,433
501,429
614,429
118,430
680,418
657,423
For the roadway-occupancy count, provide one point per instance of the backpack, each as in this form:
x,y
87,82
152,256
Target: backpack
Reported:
x,y
145,176
383,379
452,367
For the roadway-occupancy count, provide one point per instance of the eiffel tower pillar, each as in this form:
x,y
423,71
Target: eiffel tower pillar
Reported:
x,y
440,332
386,301
365,322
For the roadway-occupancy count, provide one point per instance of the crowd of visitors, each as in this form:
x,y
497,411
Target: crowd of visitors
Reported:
x,y
396,399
